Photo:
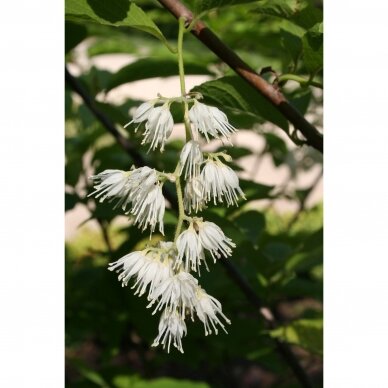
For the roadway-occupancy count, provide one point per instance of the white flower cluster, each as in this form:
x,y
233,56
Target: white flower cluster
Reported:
x,y
141,187
157,271
162,271
159,123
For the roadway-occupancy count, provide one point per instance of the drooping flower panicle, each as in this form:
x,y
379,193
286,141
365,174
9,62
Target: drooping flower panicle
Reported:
x,y
161,271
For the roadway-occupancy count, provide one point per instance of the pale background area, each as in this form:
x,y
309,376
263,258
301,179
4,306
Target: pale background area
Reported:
x,y
260,169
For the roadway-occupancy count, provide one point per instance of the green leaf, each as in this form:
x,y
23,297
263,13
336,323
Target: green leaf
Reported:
x,y
292,43
278,8
207,5
313,48
166,382
308,17
307,333
251,224
118,13
75,34
304,15
276,147
133,381
151,67
235,152
304,260
300,99
253,190
90,375
234,95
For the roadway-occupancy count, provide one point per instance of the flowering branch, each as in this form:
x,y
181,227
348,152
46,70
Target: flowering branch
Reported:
x,y
158,259
313,137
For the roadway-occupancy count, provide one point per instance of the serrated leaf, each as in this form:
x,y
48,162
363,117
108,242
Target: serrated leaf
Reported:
x,y
305,15
278,8
118,13
308,17
307,333
151,67
233,94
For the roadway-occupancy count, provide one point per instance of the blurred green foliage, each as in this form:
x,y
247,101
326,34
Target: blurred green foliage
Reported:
x,y
108,330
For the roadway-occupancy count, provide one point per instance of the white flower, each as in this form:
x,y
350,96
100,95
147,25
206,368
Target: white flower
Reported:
x,y
158,127
148,207
191,159
213,239
122,185
141,187
220,181
193,195
172,328
209,120
159,123
130,265
111,184
149,267
207,307
142,113
176,292
190,250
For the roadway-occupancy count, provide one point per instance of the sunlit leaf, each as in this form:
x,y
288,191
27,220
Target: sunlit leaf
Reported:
x,y
118,13
307,333
234,94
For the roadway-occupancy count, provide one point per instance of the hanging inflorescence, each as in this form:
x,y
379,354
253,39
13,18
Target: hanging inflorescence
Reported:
x,y
164,271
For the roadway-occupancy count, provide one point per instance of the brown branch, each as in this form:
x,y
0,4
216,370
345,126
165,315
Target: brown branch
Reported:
x,y
283,348
313,137
109,125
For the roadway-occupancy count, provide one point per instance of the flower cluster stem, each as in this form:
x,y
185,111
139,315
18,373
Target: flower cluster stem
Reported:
x,y
181,210
302,81
182,77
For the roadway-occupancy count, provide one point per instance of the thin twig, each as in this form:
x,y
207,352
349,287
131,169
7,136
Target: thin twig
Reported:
x,y
91,104
283,348
104,230
313,137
